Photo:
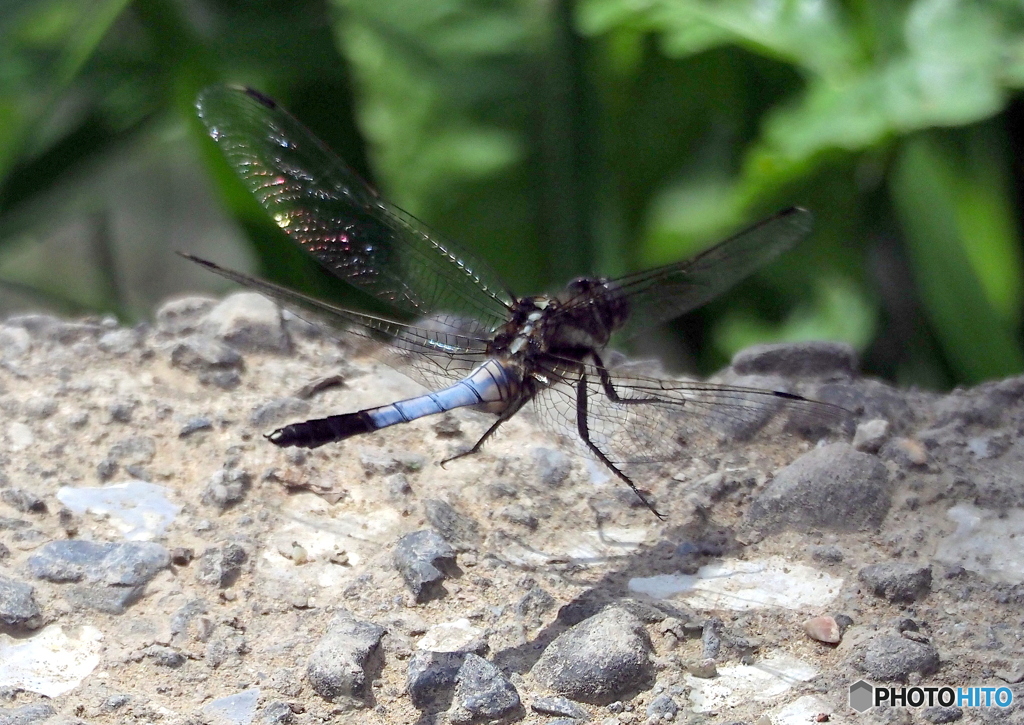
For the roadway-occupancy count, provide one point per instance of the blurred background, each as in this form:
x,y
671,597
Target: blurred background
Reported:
x,y
552,138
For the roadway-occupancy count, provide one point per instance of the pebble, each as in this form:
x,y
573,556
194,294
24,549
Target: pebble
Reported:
x,y
164,656
662,707
125,564
431,677
276,712
226,488
896,581
193,425
457,636
939,714
482,692
562,706
221,566
183,314
21,500
870,435
598,660
345,659
812,359
424,559
824,629
833,487
199,353
27,714
136,450
459,530
248,321
891,657
18,607
118,342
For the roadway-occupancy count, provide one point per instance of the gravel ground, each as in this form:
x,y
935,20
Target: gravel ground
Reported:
x,y
160,562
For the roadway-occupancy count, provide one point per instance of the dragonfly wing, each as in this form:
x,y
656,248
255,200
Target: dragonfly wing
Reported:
x,y
330,212
663,293
435,352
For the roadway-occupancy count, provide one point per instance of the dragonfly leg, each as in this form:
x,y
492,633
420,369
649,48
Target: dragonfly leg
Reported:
x,y
583,428
511,410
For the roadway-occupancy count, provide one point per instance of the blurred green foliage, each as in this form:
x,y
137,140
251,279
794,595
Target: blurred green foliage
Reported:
x,y
555,139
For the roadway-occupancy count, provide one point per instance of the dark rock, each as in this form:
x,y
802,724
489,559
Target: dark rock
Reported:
x,y
127,564
34,714
553,466
223,379
897,582
431,678
599,660
22,500
833,487
107,599
4,551
662,707
164,656
221,565
248,321
939,714
226,488
136,450
199,353
711,638
798,360
828,554
459,530
183,315
275,713
344,660
18,607
121,411
194,425
424,559
279,412
534,603
560,706
482,692
891,657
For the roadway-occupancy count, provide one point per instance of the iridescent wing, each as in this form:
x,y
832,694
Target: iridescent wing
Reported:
x,y
663,293
332,214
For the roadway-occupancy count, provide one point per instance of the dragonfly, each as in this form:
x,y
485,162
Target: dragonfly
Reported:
x,y
455,327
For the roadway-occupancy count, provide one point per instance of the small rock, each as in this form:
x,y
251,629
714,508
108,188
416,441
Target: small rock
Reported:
x,y
891,657
134,451
519,514
221,565
164,656
598,660
424,559
827,554
553,466
871,435
457,636
40,407
823,629
107,599
939,714
798,360
248,321
183,315
27,714
662,707
907,452
198,353
482,692
704,669
897,582
118,342
459,530
127,564
379,463
226,488
21,500
276,713
711,638
279,412
344,660
560,706
18,607
431,678
194,425
833,487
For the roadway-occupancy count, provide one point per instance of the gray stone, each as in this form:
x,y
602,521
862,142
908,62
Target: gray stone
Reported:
x,y
345,658
424,559
221,565
22,500
194,425
39,407
870,435
34,714
279,412
119,342
519,514
458,529
939,714
126,564
18,607
561,706
599,660
133,451
896,581
662,707
107,599
199,353
553,466
183,315
430,679
277,712
381,463
814,359
164,656
833,487
891,657
827,553
226,488
248,321
482,692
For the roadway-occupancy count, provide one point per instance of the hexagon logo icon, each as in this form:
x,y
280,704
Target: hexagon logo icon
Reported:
x,y
861,695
